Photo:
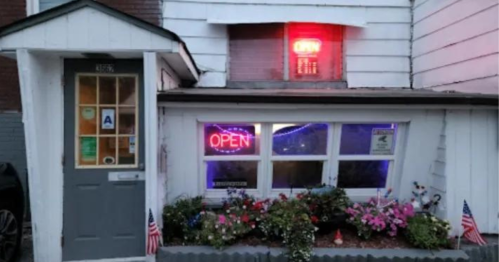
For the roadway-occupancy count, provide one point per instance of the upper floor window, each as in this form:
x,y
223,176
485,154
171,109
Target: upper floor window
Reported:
x,y
286,52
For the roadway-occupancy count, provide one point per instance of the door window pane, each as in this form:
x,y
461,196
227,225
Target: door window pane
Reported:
x,y
231,139
107,90
126,151
225,174
127,90
363,174
87,90
299,139
127,120
107,150
87,151
368,139
88,120
296,174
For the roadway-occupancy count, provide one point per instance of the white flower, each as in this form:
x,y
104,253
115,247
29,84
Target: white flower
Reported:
x,y
210,237
223,231
202,212
234,232
228,211
244,206
216,226
239,221
252,226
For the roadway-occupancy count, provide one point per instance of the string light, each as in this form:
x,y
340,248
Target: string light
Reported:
x,y
229,129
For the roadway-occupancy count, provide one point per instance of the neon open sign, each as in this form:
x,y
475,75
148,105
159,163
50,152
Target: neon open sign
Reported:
x,y
224,139
307,47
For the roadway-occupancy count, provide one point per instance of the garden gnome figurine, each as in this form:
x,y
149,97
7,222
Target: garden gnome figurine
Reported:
x,y
338,238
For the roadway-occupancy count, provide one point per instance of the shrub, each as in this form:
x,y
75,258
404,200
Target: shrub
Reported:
x,y
371,217
289,221
326,203
428,232
219,230
181,219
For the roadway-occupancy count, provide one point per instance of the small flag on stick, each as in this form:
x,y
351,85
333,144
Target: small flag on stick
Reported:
x,y
470,228
153,236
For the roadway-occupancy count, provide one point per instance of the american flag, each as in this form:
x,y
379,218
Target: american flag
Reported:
x,y
153,236
470,228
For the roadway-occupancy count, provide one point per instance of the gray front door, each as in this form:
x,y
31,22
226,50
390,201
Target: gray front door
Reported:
x,y
104,198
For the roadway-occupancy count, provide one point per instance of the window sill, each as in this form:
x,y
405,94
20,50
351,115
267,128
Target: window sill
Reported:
x,y
287,84
266,254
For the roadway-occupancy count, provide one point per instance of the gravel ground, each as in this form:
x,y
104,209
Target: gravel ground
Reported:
x,y
27,245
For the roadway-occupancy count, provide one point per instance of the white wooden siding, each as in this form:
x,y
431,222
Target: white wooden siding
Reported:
x,y
182,137
456,45
472,167
86,29
375,56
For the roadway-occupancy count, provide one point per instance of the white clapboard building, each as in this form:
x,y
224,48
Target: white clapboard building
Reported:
x,y
122,116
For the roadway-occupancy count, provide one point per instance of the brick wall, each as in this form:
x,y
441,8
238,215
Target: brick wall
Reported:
x,y
148,10
256,52
10,99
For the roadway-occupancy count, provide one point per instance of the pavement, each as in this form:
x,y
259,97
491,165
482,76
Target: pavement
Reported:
x,y
27,245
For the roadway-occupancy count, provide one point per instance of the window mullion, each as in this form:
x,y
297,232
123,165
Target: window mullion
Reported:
x,y
335,151
266,165
286,53
327,176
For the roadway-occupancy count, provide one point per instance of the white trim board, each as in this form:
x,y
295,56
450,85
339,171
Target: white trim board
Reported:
x,y
122,259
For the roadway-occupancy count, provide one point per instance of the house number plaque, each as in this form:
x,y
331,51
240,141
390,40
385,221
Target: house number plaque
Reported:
x,y
104,68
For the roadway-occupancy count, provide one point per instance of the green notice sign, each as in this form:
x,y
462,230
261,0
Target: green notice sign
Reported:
x,y
88,149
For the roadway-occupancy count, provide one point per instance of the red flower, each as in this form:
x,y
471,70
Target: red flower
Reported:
x,y
258,205
245,218
312,207
283,197
314,219
299,196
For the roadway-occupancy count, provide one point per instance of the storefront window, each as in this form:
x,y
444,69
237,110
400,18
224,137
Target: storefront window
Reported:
x,y
366,154
368,139
363,174
299,139
225,174
273,158
296,174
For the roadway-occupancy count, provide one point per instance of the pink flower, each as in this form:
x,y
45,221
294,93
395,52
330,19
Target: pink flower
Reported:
x,y
221,219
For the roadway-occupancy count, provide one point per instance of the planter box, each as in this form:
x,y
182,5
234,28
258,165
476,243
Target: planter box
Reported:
x,y
266,254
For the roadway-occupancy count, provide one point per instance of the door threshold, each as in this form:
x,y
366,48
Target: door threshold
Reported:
x,y
121,259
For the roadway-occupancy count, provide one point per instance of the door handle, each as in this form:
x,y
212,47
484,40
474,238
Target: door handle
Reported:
x,y
142,167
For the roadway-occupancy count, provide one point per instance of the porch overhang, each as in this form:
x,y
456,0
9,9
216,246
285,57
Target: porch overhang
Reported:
x,y
361,96
89,29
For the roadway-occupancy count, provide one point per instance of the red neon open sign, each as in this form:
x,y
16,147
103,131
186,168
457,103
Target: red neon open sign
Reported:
x,y
229,140
224,139
308,46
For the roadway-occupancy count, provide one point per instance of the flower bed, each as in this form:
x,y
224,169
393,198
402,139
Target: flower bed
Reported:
x,y
313,218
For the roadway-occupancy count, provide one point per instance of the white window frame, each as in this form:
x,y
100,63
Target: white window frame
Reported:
x,y
331,160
